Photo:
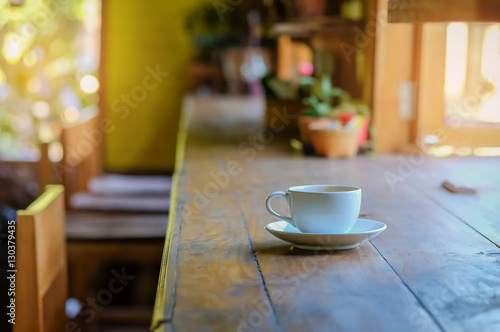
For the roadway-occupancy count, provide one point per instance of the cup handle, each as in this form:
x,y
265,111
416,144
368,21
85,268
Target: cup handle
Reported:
x,y
270,209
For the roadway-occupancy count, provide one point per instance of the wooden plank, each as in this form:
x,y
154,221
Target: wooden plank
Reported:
x,y
41,263
352,290
225,272
443,11
417,62
220,255
165,299
433,271
84,225
480,211
431,100
432,251
78,142
171,288
391,69
162,312
201,173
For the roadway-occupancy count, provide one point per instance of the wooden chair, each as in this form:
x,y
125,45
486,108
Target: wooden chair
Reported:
x,y
41,280
91,241
90,244
81,159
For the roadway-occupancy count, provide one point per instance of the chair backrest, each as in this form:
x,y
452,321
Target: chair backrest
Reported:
x,y
41,280
81,154
81,145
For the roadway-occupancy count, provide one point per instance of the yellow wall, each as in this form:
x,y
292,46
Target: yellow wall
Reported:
x,y
137,35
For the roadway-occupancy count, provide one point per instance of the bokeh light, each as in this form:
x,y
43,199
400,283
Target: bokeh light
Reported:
x,y
305,68
13,48
4,91
45,133
34,85
89,84
40,109
29,59
55,152
57,46
45,58
3,79
70,114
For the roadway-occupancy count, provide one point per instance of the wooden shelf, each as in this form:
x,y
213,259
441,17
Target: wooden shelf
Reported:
x,y
300,28
404,11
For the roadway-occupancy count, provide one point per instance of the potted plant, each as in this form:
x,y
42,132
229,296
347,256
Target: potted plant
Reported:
x,y
334,131
349,109
319,103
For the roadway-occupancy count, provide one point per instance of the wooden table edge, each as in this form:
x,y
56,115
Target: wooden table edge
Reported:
x,y
158,318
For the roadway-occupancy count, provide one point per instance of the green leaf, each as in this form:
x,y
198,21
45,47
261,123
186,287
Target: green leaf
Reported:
x,y
307,80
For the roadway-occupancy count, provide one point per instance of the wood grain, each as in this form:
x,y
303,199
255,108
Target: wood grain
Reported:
x,y
325,291
81,160
41,285
430,249
429,271
480,211
444,11
390,70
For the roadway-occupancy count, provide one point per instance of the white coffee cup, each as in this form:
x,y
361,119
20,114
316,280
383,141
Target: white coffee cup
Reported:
x,y
331,209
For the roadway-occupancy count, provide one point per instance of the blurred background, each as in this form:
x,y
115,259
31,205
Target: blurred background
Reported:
x,y
91,92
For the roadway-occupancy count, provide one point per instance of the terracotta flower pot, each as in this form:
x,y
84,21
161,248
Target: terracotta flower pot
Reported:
x,y
340,143
316,134
334,143
318,141
304,131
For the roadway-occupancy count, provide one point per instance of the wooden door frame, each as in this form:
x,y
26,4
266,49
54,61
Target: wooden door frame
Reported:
x,y
393,64
430,111
407,52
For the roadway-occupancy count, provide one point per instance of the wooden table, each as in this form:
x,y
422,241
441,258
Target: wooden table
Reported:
x,y
435,268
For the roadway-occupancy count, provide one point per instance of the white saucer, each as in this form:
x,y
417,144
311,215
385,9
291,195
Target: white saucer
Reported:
x,y
363,229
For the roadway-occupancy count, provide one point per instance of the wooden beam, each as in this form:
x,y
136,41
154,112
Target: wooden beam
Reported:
x,y
394,59
404,11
